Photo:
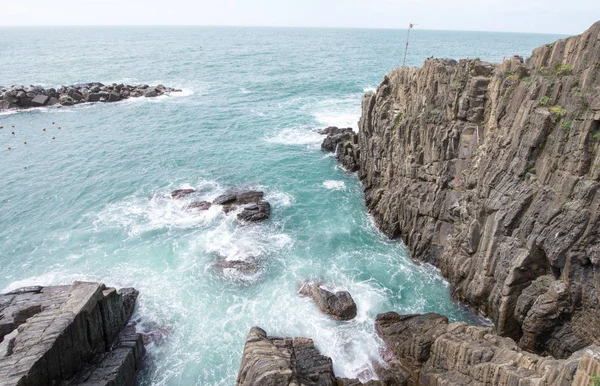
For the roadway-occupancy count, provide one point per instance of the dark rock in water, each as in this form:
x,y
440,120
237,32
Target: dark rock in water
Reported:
x,y
150,93
66,100
52,101
5,105
283,361
68,335
255,212
339,305
334,137
224,199
247,268
180,193
93,97
39,100
199,205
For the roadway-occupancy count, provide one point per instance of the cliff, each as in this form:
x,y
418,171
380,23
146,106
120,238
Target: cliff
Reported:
x,y
68,335
491,173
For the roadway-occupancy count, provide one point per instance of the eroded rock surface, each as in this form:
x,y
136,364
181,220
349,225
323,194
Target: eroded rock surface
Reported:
x,y
23,97
254,208
492,173
339,305
271,361
342,142
72,334
427,350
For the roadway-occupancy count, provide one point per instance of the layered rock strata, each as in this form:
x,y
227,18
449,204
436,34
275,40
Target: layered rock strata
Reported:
x,y
427,350
492,173
338,305
21,97
71,335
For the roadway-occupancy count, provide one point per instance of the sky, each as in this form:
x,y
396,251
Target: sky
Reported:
x,y
547,16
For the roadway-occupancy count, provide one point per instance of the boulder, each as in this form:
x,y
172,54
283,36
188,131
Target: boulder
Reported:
x,y
39,100
339,305
255,212
150,93
114,96
93,96
247,267
52,101
270,361
334,137
181,193
66,100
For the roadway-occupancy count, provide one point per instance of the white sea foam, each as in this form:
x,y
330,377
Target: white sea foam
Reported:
x,y
279,199
369,89
244,90
343,112
296,136
334,185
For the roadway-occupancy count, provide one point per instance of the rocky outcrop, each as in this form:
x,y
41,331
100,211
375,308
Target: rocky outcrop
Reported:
x,y
492,173
270,361
427,350
254,208
68,335
339,305
22,97
342,142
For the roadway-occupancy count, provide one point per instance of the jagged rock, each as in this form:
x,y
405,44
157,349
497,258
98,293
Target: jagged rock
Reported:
x,y
339,305
199,205
150,93
181,193
71,334
246,268
343,142
429,351
114,96
334,137
255,212
492,174
270,361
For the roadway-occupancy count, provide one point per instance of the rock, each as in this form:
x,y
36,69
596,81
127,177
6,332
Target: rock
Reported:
x,y
71,334
339,305
5,105
114,96
482,177
181,193
283,361
52,101
66,100
429,351
224,199
255,212
246,268
93,97
39,100
199,205
334,137
150,93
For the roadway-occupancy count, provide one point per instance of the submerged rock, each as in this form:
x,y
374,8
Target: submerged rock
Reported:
x,y
181,193
270,361
248,267
255,212
199,205
339,305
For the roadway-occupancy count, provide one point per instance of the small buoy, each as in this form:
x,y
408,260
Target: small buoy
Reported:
x,y
52,137
13,125
1,127
25,142
9,148
44,129
58,127
13,133
52,122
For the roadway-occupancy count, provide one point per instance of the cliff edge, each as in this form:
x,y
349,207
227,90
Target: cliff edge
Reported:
x,y
492,173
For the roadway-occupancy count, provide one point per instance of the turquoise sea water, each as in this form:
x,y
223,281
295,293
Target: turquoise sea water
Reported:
x,y
92,204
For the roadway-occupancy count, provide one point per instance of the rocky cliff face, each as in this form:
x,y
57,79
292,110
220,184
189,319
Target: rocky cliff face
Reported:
x,y
492,173
68,335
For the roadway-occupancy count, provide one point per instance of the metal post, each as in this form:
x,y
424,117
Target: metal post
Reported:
x,y
410,26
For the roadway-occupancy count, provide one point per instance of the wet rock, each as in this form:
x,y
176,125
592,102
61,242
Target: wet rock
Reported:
x,y
150,93
199,205
255,212
339,305
247,267
334,137
224,199
181,193
270,361
114,96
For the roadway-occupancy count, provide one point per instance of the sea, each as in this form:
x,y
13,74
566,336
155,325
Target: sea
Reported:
x,y
94,203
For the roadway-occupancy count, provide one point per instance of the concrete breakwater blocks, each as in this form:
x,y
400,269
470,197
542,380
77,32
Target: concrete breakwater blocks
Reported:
x,y
74,333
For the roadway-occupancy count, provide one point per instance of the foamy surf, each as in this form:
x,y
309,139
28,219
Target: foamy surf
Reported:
x,y
334,185
296,136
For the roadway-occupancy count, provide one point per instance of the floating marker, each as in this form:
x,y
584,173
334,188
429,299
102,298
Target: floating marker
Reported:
x,y
44,129
52,122
9,148
52,137
13,133
25,142
58,127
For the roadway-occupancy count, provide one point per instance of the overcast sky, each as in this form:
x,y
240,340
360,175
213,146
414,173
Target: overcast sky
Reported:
x,y
549,16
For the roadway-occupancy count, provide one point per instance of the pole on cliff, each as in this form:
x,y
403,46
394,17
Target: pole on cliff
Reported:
x,y
410,26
